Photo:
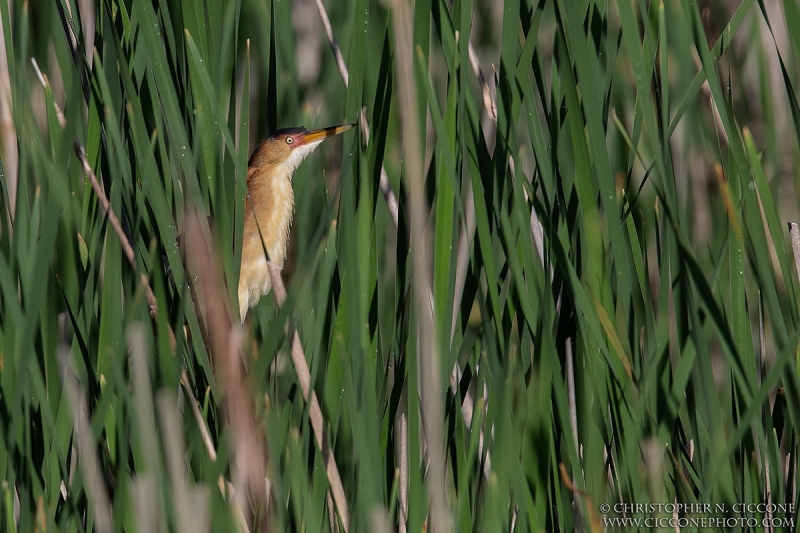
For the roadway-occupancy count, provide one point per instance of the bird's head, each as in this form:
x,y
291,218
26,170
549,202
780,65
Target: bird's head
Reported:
x,y
286,148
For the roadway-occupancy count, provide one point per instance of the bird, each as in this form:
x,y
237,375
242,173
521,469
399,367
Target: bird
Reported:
x,y
269,206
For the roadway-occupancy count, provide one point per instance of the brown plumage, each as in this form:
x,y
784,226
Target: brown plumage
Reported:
x,y
269,206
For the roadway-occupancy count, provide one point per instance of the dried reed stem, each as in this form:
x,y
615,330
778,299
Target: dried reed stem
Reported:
x,y
225,343
126,245
386,188
314,411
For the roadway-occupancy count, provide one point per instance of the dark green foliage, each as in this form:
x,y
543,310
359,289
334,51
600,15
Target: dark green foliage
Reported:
x,y
648,151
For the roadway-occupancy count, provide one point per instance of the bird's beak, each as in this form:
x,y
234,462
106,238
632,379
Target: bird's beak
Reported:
x,y
324,133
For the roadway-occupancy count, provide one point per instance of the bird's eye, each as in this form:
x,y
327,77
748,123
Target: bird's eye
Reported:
x,y
289,140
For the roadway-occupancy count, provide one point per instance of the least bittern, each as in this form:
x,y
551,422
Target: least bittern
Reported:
x,y
269,205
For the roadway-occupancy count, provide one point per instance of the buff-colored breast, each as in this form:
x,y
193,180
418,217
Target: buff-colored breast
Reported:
x,y
267,220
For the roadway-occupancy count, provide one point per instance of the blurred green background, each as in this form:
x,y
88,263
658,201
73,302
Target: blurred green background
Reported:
x,y
589,294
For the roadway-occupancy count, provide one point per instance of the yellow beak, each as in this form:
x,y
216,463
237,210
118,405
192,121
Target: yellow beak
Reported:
x,y
324,133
